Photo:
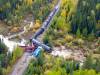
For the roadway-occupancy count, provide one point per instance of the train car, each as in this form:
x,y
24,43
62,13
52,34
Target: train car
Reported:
x,y
41,30
37,51
51,14
45,47
28,48
56,7
45,23
55,10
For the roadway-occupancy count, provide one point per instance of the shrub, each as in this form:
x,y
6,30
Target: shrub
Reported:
x,y
40,59
78,41
85,72
78,33
97,50
1,71
57,43
7,70
3,47
53,73
17,53
88,64
72,66
47,40
97,65
68,38
91,36
92,63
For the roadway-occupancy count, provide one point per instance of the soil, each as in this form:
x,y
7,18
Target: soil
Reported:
x,y
4,28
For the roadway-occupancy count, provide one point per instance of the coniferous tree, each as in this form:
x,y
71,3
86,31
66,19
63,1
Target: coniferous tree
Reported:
x,y
84,17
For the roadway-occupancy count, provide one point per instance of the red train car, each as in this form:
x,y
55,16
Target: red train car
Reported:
x,y
28,48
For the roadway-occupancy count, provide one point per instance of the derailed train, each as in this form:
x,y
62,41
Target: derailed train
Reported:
x,y
45,25
35,46
43,28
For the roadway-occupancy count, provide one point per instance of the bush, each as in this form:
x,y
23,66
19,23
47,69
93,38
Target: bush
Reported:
x,y
68,38
3,47
78,33
92,63
71,66
97,51
47,40
85,72
88,64
49,65
53,73
57,43
78,41
7,70
91,36
1,71
17,53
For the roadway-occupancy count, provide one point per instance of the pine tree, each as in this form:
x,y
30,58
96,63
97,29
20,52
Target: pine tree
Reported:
x,y
78,33
84,16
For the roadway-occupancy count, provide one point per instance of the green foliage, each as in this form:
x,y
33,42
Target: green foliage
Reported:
x,y
49,65
85,32
58,66
17,53
35,67
78,33
40,59
3,47
13,11
91,36
84,17
8,59
3,54
5,60
72,66
1,71
92,63
85,72
47,40
53,73
88,64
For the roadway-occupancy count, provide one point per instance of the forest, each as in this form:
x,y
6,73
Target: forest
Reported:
x,y
13,11
76,27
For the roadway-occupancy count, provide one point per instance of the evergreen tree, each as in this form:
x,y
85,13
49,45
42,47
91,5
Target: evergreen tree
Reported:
x,y
3,48
84,16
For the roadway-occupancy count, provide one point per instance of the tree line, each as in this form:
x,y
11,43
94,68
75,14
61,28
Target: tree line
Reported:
x,y
13,11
